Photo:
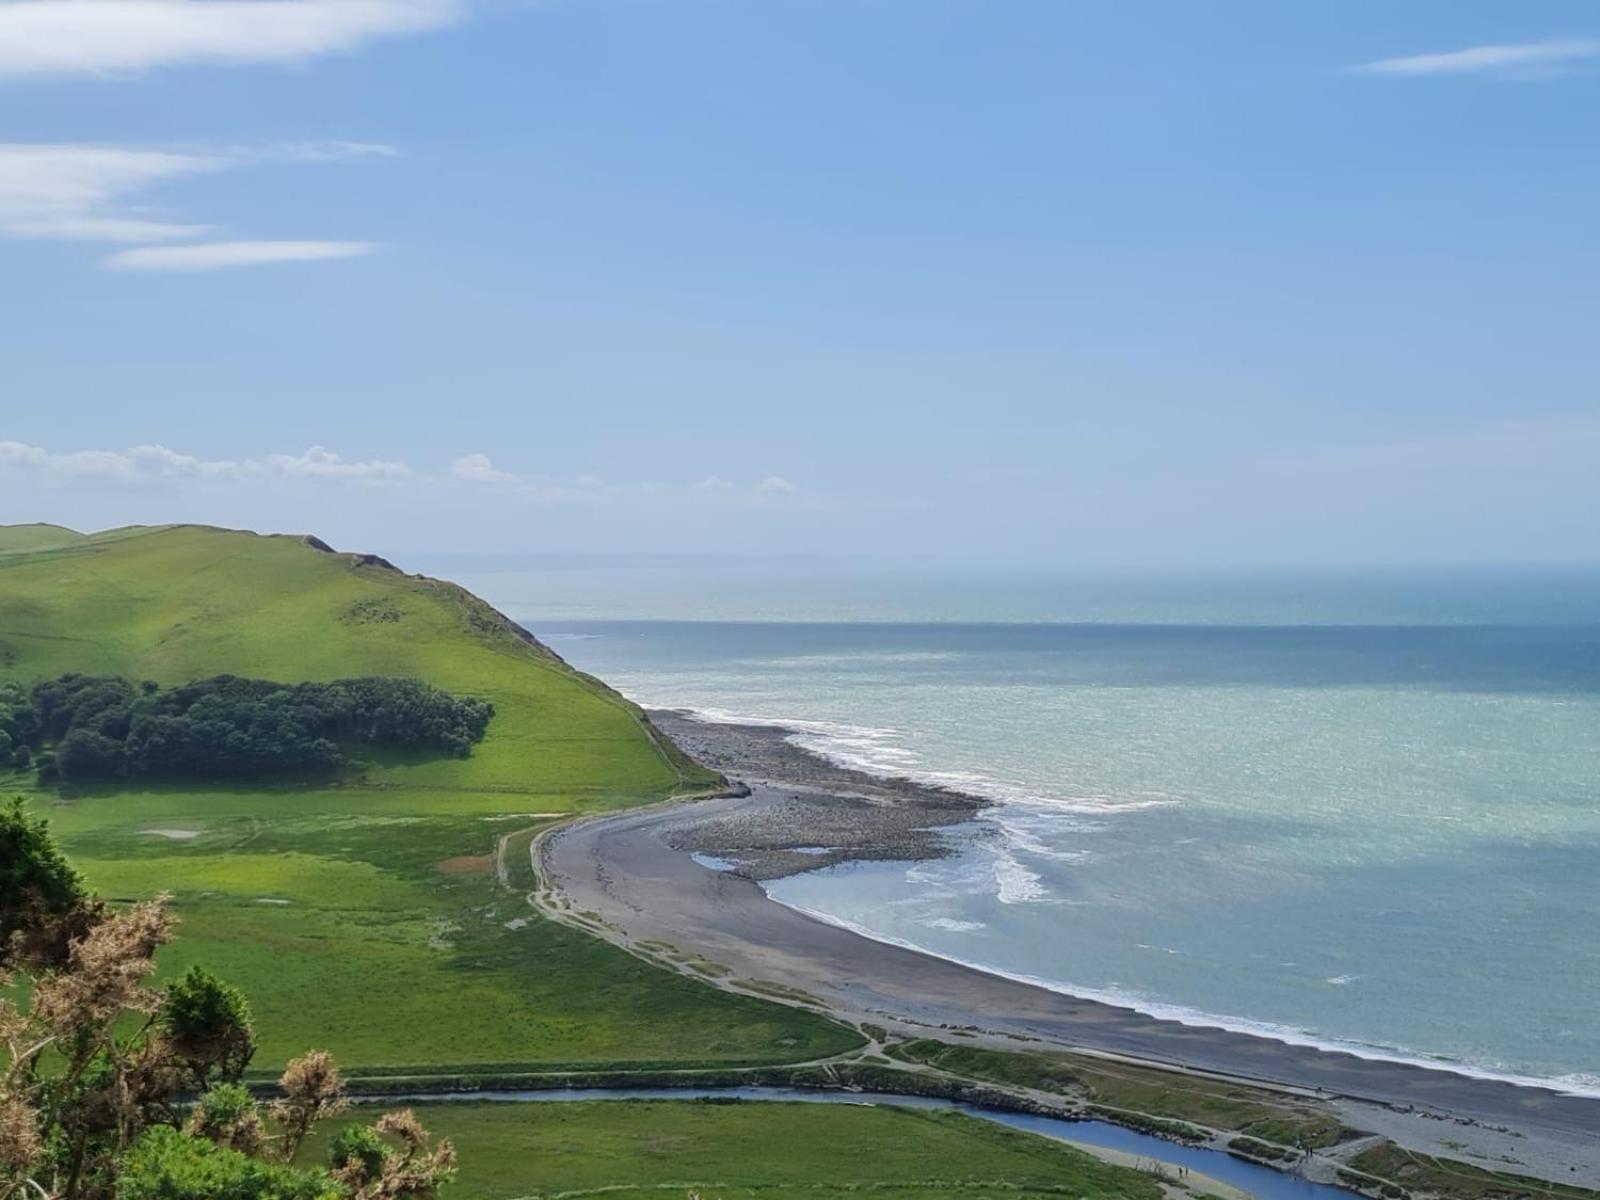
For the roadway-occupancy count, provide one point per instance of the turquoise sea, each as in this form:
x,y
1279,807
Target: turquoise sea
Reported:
x,y
1349,809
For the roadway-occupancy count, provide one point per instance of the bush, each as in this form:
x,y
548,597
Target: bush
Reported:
x,y
358,1145
166,1165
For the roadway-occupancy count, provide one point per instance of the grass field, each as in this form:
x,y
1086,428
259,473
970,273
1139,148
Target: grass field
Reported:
x,y
1163,1095
367,917
757,1150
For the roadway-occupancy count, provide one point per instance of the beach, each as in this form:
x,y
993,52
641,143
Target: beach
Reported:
x,y
649,876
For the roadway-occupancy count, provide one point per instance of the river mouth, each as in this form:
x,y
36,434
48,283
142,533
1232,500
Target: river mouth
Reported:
x,y
1168,1159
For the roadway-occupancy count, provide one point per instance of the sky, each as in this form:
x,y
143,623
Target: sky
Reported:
x,y
982,281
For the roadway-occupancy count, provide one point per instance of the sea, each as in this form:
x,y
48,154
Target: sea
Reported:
x,y
1349,809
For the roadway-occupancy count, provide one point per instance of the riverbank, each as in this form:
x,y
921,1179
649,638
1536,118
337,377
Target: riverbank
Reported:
x,y
632,879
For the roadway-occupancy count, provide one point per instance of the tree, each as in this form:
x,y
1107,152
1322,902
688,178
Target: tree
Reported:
x,y
208,1025
103,727
40,893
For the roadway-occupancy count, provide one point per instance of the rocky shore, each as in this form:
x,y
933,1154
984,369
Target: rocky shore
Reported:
x,y
816,812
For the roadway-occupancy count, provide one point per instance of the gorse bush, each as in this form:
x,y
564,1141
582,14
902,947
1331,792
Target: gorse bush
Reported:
x,y
97,727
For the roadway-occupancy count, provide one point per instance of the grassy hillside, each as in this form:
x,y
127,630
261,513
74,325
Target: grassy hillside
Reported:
x,y
177,603
15,538
369,917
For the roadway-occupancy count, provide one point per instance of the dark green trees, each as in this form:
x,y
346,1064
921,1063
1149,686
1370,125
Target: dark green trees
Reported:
x,y
228,727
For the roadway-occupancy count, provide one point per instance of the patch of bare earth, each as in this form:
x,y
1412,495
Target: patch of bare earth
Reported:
x,y
467,864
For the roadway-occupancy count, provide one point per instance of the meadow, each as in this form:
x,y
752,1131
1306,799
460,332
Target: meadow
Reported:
x,y
574,1148
369,918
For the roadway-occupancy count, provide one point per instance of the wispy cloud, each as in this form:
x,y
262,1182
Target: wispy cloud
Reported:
x,y
472,478
479,471
90,192
215,256
154,464
73,191
120,37
1513,59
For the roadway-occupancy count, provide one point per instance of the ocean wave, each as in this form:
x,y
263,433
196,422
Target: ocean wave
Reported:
x,y
876,750
1013,882
1023,838
1571,1084
955,926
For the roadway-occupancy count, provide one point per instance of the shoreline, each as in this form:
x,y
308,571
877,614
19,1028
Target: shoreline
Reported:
x,y
634,872
784,765
824,813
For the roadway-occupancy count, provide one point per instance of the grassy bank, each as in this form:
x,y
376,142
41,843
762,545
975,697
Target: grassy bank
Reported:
x,y
758,1150
368,916
1121,1089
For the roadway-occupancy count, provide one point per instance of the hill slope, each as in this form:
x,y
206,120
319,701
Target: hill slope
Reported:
x,y
384,919
39,536
176,603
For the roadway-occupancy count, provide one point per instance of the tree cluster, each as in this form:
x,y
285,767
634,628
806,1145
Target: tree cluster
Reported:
x,y
81,728
111,1089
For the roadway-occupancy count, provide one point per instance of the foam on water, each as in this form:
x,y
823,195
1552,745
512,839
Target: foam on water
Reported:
x,y
1574,1084
878,751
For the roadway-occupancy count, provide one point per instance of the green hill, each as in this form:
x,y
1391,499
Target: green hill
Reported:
x,y
181,602
383,918
14,538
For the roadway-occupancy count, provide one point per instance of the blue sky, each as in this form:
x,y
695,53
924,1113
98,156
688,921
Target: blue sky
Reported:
x,y
1061,283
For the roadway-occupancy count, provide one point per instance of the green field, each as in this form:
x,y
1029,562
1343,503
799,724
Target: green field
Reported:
x,y
755,1150
367,917
1123,1088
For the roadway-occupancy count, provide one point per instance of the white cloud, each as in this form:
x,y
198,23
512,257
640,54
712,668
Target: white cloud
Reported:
x,y
319,463
120,37
1525,58
713,483
214,256
71,191
478,468
775,485
87,192
130,466
155,464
